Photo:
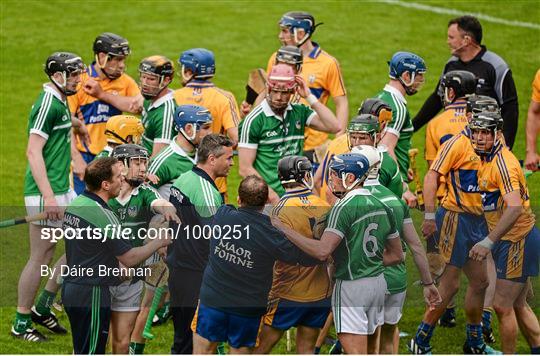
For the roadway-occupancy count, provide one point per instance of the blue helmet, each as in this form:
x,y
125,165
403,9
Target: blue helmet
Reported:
x,y
406,62
191,114
402,62
199,61
299,19
350,163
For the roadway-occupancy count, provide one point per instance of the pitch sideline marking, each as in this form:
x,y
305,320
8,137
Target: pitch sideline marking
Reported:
x,y
442,10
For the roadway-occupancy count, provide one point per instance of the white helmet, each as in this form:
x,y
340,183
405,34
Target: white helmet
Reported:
x,y
373,156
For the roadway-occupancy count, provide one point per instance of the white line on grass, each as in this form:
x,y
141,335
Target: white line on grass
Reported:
x,y
442,10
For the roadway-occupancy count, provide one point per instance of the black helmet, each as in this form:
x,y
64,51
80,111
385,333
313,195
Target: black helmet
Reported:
x,y
290,55
65,63
126,153
112,44
480,103
485,120
462,81
293,169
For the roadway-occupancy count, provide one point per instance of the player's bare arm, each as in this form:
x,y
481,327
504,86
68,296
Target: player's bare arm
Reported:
x,y
511,213
80,130
431,294
246,157
325,120
232,133
393,252
390,141
78,162
430,196
131,104
342,112
166,209
139,254
532,130
34,153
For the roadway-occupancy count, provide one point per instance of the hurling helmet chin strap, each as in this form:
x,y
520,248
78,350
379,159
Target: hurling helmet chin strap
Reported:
x,y
190,138
348,188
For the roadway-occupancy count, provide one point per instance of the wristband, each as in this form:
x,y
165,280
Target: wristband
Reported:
x,y
312,99
426,284
429,216
487,243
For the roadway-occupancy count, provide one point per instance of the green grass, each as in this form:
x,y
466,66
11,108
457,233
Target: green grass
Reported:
x,y
362,35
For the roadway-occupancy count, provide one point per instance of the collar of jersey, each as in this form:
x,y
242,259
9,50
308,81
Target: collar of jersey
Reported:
x,y
163,99
47,88
315,51
372,182
459,104
200,83
357,191
201,173
268,111
297,192
494,151
395,92
96,198
180,151
134,192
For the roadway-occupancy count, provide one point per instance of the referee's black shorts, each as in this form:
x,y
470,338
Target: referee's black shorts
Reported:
x,y
89,311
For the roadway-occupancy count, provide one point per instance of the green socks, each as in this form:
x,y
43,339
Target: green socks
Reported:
x,y
22,322
135,348
44,302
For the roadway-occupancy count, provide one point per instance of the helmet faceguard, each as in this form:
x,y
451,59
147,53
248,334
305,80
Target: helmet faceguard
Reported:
x,y
402,62
159,67
66,64
197,116
366,124
127,153
112,45
348,164
482,123
295,20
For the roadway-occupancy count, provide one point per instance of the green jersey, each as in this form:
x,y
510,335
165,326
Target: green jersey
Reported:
x,y
107,152
99,243
169,164
157,119
135,212
400,125
389,172
50,118
274,137
364,223
395,276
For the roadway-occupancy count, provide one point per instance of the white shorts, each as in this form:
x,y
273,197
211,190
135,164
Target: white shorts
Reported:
x,y
393,307
34,205
126,297
358,305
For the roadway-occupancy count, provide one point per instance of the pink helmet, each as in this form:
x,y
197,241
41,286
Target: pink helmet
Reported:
x,y
281,78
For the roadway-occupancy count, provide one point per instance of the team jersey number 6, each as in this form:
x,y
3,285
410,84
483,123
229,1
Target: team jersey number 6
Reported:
x,y
370,238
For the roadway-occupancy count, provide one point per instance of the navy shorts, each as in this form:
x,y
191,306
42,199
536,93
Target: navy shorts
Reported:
x,y
284,314
516,261
219,326
457,233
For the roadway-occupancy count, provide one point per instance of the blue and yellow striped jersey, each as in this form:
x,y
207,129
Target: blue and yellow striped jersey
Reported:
x,y
457,162
444,126
96,113
300,209
500,174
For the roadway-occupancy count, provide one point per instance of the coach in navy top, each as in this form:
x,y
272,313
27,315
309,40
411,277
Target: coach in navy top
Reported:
x,y
238,277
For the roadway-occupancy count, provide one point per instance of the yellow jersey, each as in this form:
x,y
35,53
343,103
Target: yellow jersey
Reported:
x,y
337,146
444,126
300,209
96,113
457,162
323,75
221,104
499,174
536,87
